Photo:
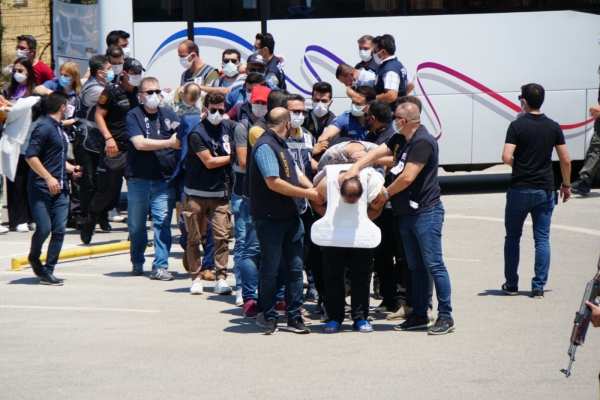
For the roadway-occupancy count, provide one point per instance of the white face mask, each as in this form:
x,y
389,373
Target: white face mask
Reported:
x,y
22,53
185,63
260,110
320,109
134,80
357,110
376,58
230,69
214,118
297,120
152,101
117,69
126,51
20,77
365,55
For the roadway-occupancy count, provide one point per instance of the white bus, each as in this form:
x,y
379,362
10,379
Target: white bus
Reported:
x,y
468,58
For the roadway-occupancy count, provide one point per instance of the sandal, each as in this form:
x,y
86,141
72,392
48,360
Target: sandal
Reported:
x,y
362,326
331,327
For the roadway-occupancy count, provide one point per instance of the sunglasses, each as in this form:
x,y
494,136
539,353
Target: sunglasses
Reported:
x,y
321,101
396,119
520,97
228,60
303,112
256,69
19,70
151,92
367,115
214,110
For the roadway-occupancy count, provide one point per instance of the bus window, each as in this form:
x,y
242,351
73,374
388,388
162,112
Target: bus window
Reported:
x,y
157,10
85,2
227,11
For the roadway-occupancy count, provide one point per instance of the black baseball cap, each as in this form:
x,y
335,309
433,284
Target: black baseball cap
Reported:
x,y
131,64
257,59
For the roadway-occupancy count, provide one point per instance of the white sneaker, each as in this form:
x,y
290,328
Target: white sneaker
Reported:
x,y
22,228
239,300
221,287
196,287
115,216
3,229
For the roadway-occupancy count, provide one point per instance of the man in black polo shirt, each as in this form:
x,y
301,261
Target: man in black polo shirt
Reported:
x,y
415,198
276,187
264,45
113,105
48,187
528,150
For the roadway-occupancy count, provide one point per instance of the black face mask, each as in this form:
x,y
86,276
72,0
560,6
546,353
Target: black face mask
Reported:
x,y
367,123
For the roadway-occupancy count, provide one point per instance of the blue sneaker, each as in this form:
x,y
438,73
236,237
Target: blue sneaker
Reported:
x,y
581,187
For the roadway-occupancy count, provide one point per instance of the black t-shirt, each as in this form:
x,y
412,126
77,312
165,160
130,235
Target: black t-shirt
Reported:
x,y
420,153
117,101
196,143
535,136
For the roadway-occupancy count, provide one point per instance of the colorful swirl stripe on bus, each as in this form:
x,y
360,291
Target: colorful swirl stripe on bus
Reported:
x,y
223,34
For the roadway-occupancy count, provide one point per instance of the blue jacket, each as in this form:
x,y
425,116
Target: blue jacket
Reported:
x,y
188,123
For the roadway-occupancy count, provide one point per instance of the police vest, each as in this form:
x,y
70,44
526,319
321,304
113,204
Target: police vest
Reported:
x,y
244,112
201,181
85,114
274,66
424,192
264,202
302,149
396,66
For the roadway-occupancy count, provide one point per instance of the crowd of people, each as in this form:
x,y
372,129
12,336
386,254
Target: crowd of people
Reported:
x,y
232,140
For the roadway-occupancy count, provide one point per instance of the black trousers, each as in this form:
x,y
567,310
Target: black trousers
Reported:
x,y
16,195
110,179
360,265
384,258
88,160
313,257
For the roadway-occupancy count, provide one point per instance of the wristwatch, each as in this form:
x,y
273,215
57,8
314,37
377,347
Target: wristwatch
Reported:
x,y
386,194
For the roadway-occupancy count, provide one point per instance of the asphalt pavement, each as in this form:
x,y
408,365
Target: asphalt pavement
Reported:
x,y
108,335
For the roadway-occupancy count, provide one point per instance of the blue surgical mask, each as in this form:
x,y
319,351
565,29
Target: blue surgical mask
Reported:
x,y
110,75
64,81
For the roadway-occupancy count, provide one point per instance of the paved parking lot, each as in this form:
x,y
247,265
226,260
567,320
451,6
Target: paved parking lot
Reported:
x,y
108,335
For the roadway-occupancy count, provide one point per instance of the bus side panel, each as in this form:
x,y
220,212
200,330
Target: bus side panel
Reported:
x,y
455,135
567,108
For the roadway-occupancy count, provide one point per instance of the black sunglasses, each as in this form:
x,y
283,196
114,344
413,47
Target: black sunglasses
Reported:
x,y
21,71
303,112
520,97
399,118
151,92
367,115
214,110
256,69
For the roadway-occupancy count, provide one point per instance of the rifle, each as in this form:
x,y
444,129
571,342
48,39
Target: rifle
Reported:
x,y
582,318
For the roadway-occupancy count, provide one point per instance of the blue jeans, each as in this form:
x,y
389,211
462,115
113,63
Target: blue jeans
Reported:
x,y
279,239
153,195
422,239
50,215
519,203
250,265
241,210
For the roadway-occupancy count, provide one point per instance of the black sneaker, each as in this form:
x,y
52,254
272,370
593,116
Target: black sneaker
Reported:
x,y
510,290
414,323
442,326
297,326
537,293
270,327
51,280
581,187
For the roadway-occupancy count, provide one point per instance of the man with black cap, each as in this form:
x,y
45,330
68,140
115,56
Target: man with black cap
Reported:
x,y
113,105
256,69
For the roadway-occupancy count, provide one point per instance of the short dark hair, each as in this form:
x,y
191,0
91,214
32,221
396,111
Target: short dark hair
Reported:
x,y
255,77
55,100
380,110
534,95
31,42
351,188
293,97
191,47
364,38
114,36
343,70
97,63
232,51
114,51
214,98
266,40
366,91
411,99
277,98
385,42
322,87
